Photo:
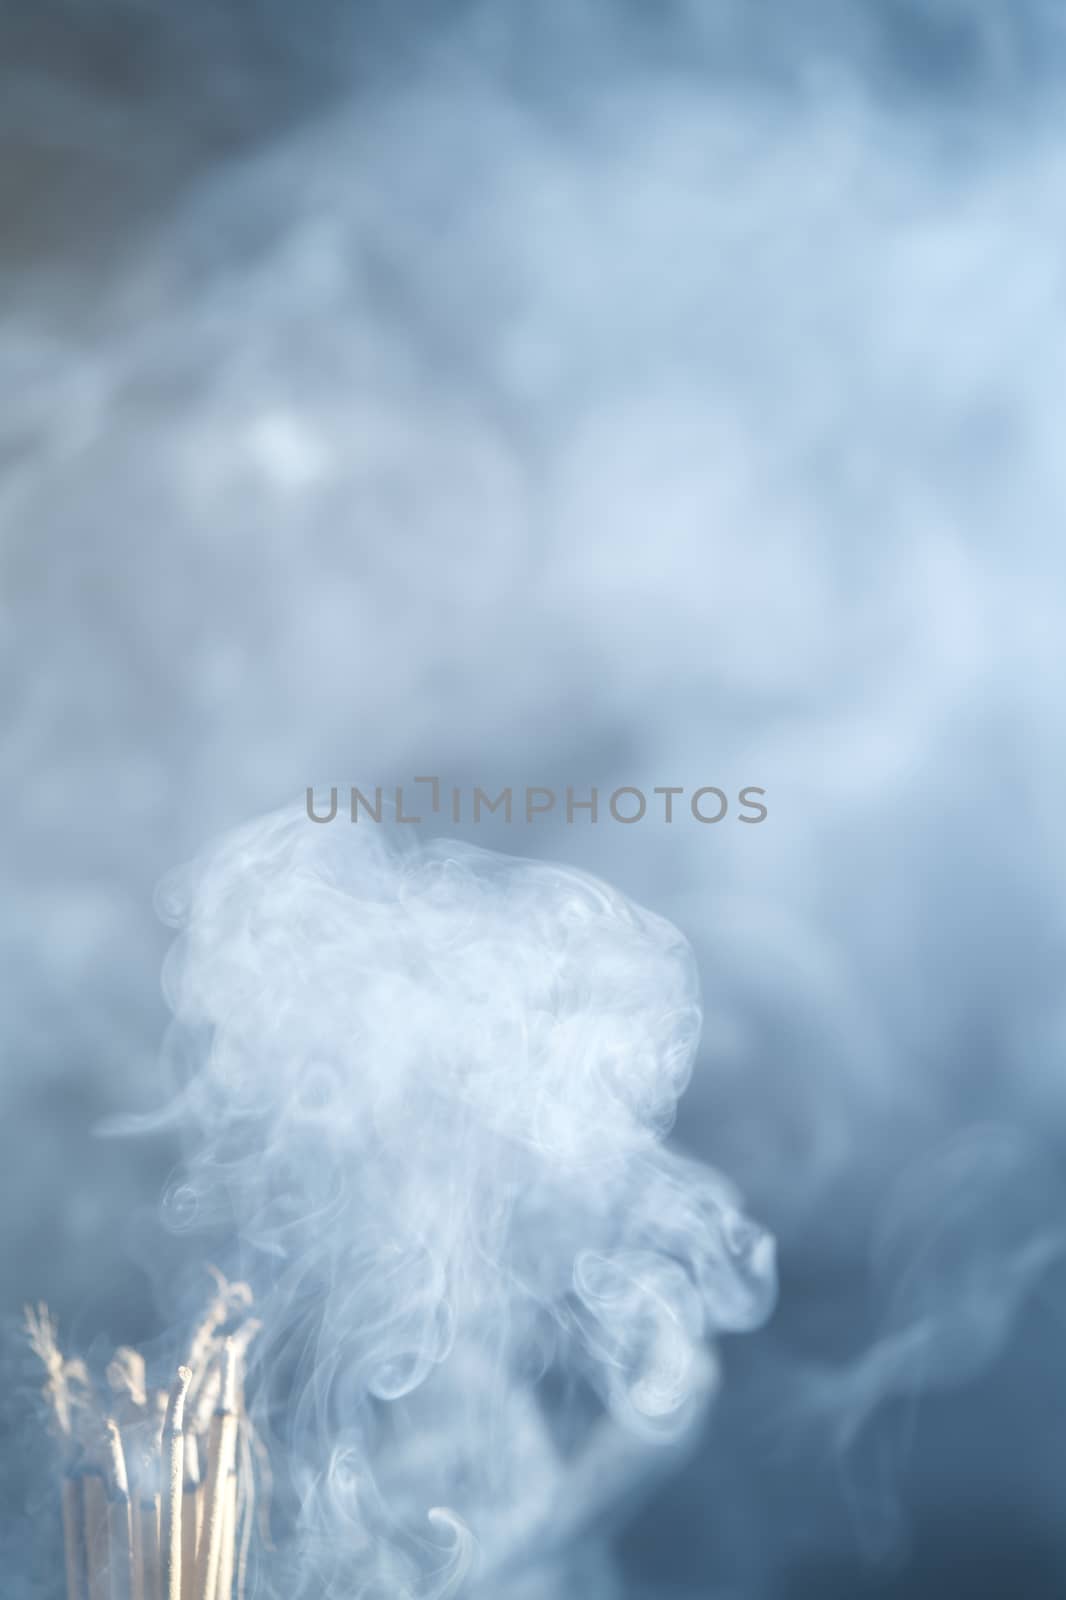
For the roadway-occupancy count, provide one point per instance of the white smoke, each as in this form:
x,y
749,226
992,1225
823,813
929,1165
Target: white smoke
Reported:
x,y
581,398
427,1088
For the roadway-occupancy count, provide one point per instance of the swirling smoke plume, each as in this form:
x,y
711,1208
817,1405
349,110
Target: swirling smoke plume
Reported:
x,y
424,1092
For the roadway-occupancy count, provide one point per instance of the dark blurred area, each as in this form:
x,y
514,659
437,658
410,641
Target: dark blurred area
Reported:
x,y
581,394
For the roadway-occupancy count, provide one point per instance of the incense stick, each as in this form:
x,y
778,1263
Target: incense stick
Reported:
x,y
95,1505
119,1522
148,1516
221,1458
224,1587
191,1517
75,1549
138,1554
174,1446
158,1489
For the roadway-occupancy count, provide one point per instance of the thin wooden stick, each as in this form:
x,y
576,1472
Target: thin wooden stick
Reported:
x,y
126,1379
74,1545
173,1485
94,1500
245,1508
207,1397
119,1522
191,1517
221,1455
224,1588
137,1583
149,1511
148,1517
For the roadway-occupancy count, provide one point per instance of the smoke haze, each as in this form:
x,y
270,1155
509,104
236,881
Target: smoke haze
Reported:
x,y
599,394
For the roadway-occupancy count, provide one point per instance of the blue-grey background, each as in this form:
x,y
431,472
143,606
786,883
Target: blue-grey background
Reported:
x,y
583,393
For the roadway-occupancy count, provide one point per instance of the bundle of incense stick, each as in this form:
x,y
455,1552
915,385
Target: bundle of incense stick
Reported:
x,y
158,1486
